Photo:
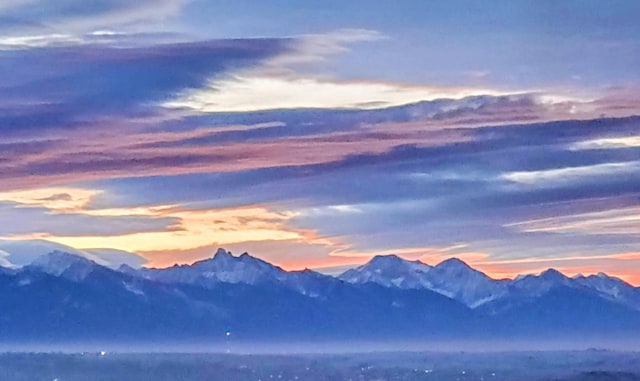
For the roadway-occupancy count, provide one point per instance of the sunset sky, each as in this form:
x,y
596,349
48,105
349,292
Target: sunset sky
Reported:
x,y
320,134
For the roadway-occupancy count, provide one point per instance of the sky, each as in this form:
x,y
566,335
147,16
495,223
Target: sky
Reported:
x,y
320,134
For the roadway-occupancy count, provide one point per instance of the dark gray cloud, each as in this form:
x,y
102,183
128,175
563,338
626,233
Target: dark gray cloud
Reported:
x,y
67,87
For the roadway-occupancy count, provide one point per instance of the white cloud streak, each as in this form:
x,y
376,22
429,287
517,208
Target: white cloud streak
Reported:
x,y
569,174
607,143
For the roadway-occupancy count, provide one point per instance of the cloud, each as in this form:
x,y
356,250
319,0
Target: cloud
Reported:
x,y
281,82
285,81
463,172
192,229
78,16
193,151
40,41
98,151
18,253
56,199
551,177
608,143
253,93
312,48
119,136
99,37
41,222
115,258
111,83
623,221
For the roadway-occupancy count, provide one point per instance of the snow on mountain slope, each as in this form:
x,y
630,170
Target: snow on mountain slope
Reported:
x,y
18,253
59,263
409,287
612,288
6,269
310,283
452,278
390,271
4,260
224,267
536,285
457,280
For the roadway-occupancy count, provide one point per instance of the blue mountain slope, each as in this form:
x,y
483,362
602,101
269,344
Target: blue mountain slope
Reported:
x,y
61,297
566,312
38,306
106,304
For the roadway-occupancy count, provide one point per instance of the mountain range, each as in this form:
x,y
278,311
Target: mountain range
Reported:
x,y
63,296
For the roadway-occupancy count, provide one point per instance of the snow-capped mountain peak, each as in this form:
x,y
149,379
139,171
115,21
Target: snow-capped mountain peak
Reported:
x,y
246,255
222,254
60,263
386,259
456,279
611,287
389,271
553,275
220,258
223,266
535,285
454,264
126,269
452,278
225,261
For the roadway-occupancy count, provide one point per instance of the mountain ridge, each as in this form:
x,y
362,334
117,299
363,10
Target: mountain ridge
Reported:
x,y
62,296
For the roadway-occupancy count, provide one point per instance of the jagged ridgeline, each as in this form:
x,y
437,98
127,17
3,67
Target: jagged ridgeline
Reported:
x,y
63,296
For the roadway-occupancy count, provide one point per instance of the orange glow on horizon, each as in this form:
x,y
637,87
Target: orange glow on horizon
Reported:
x,y
625,266
272,237
495,269
502,269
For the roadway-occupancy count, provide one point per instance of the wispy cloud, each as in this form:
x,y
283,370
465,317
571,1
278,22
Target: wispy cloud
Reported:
x,y
281,82
608,143
552,177
612,221
76,16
